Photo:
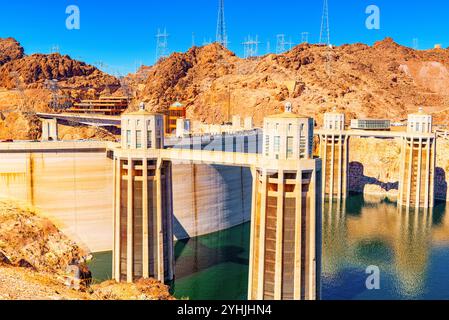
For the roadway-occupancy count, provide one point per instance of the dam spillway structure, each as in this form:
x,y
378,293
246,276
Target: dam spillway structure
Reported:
x,y
285,253
334,154
143,202
418,162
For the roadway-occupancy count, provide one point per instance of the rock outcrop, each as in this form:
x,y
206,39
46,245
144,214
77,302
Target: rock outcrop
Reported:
x,y
10,50
386,80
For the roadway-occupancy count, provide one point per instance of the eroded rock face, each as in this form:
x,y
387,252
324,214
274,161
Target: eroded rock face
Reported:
x,y
33,242
10,50
386,80
32,71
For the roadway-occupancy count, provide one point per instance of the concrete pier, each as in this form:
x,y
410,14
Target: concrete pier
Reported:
x,y
49,129
418,158
285,253
143,203
334,154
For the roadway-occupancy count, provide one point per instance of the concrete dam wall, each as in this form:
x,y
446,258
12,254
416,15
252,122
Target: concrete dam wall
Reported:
x,y
74,189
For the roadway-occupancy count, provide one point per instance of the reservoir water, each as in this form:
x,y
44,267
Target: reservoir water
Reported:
x,y
411,250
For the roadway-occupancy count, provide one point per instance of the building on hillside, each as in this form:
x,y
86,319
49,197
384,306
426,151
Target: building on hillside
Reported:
x,y
108,106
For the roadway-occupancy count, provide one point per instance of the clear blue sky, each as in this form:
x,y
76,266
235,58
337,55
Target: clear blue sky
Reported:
x,y
122,33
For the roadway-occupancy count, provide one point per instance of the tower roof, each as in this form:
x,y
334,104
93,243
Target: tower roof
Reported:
x,y
287,114
141,112
177,104
334,111
420,112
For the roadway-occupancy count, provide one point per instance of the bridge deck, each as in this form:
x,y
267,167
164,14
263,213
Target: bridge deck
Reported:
x,y
87,119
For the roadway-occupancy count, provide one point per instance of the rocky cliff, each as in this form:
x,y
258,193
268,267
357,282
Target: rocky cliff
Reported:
x,y
34,256
385,80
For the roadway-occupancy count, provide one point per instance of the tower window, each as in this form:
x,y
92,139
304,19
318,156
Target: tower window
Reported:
x,y
138,139
150,139
277,144
267,146
289,147
128,138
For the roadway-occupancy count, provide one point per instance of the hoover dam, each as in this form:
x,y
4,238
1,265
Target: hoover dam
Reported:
x,y
71,183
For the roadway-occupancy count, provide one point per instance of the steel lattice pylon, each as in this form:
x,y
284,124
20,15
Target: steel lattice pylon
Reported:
x,y
221,37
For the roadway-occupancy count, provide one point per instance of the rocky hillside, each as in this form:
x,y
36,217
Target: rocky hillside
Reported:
x,y
384,80
25,236
19,71
24,87
10,50
34,256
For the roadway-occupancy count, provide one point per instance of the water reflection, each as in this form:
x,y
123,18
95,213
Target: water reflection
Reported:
x,y
410,248
214,266
364,231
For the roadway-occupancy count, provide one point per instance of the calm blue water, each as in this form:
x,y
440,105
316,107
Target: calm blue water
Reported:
x,y
410,249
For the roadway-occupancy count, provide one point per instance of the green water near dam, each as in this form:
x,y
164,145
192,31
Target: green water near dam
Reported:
x,y
410,249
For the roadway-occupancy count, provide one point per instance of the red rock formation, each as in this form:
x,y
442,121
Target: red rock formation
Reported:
x,y
10,50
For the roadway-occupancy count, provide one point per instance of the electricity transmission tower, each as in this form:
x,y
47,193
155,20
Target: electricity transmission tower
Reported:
x,y
289,44
54,49
268,47
207,42
325,38
280,45
52,85
415,43
162,44
304,37
251,47
20,88
325,35
221,37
